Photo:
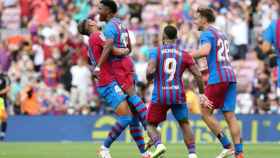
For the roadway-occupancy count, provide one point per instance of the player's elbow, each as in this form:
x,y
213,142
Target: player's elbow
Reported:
x,y
205,50
109,45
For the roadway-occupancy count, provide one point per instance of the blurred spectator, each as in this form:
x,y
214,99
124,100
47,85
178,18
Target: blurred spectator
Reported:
x,y
82,9
239,33
261,91
10,15
192,100
41,12
81,84
5,57
30,104
50,73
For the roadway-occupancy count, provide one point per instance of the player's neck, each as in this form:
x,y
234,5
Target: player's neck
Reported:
x,y
206,26
110,17
169,42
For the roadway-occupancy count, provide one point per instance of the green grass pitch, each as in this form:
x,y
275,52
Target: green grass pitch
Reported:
x,y
88,150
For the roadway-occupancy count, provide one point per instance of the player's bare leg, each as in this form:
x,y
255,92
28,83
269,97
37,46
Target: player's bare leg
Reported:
x,y
214,126
235,133
124,119
188,138
156,138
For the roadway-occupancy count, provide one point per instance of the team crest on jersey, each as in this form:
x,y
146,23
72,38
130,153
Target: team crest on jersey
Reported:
x,y
118,90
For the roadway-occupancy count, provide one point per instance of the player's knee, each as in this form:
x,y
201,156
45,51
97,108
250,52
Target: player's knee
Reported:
x,y
230,116
123,109
204,113
184,122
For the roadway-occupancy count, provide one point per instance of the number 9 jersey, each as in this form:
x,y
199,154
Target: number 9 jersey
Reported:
x,y
170,65
218,60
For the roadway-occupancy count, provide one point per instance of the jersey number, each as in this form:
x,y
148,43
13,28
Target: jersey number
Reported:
x,y
223,50
124,39
170,68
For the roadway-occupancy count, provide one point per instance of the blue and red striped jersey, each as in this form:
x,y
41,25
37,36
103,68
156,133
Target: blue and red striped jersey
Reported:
x,y
218,60
170,65
115,30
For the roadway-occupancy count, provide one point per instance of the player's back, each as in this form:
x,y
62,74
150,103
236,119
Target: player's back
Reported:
x,y
170,65
117,31
96,42
219,65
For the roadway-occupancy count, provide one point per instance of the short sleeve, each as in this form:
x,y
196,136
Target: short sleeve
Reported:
x,y
97,38
268,34
188,59
110,31
153,54
205,37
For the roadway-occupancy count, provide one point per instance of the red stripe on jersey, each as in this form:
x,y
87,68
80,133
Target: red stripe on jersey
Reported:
x,y
136,131
227,74
163,78
170,82
158,74
177,91
231,75
278,35
217,61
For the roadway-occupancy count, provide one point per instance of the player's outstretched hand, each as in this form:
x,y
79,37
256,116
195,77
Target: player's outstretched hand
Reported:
x,y
204,101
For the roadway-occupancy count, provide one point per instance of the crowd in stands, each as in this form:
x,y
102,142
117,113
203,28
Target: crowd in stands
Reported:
x,y
46,59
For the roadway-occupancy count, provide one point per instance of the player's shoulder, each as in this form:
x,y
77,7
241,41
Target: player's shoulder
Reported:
x,y
97,37
207,34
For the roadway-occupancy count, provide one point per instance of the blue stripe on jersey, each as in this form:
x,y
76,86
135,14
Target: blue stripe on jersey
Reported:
x,y
160,74
178,75
223,70
167,52
175,78
91,57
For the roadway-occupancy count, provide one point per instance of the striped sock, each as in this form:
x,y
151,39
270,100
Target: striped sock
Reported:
x,y
140,108
191,148
224,140
137,134
121,124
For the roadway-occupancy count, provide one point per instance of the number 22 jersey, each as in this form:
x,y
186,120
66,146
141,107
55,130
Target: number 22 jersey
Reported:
x,y
170,65
218,60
